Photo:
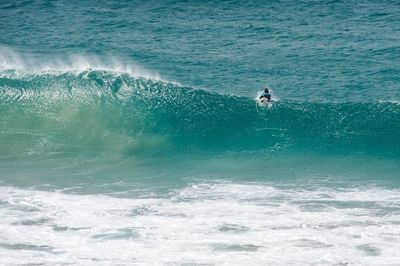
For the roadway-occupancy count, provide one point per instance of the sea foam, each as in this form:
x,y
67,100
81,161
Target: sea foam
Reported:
x,y
10,59
203,223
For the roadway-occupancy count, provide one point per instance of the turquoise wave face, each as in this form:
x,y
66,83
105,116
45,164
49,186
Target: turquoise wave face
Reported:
x,y
103,121
98,111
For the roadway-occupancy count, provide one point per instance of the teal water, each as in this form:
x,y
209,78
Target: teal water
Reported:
x,y
132,126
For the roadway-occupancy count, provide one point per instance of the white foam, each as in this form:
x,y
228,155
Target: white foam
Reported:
x,y
29,63
216,224
397,102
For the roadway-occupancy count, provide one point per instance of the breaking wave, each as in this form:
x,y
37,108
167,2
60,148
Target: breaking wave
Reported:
x,y
95,111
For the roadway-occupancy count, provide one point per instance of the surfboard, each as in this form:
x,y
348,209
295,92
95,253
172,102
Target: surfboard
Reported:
x,y
264,102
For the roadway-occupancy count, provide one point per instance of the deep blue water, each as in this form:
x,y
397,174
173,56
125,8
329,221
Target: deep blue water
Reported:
x,y
144,112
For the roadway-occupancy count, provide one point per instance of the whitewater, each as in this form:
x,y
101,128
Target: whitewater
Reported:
x,y
130,135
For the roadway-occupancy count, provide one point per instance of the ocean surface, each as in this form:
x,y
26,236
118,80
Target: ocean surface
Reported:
x,y
130,134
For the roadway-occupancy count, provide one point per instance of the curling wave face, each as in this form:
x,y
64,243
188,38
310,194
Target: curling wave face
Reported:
x,y
102,122
96,111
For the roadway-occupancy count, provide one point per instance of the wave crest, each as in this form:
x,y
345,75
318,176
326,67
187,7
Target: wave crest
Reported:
x,y
12,60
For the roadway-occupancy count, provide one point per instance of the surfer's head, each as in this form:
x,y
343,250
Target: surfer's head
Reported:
x,y
266,90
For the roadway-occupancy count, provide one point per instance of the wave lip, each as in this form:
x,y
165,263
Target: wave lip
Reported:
x,y
30,64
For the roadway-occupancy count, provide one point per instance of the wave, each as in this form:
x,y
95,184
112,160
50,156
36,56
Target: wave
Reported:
x,y
101,111
13,62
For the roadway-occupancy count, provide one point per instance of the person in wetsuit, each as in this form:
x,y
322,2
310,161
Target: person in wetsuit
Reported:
x,y
265,95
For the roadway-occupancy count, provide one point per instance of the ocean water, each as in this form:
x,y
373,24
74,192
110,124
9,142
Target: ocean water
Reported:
x,y
130,135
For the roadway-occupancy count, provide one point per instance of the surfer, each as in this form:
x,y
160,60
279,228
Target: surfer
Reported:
x,y
265,95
